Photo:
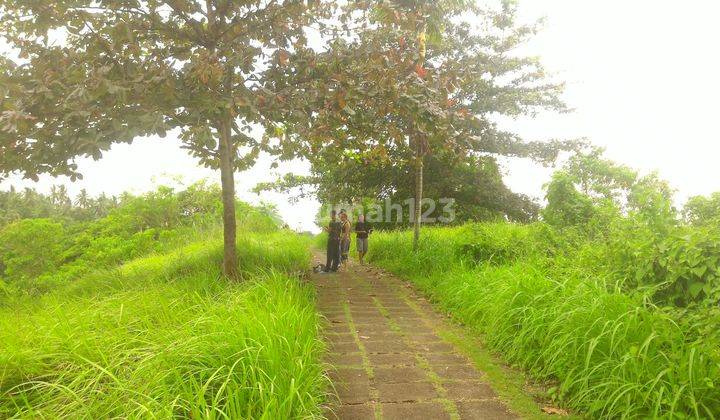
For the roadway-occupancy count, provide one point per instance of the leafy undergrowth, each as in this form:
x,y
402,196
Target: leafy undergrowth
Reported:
x,y
611,351
165,336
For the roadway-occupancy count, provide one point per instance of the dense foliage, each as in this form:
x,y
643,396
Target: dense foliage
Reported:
x,y
474,184
68,242
146,326
613,297
29,204
703,210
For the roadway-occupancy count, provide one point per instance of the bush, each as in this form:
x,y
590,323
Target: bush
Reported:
x,y
684,267
30,247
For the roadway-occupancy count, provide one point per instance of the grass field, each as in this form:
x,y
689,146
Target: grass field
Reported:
x,y
164,336
608,352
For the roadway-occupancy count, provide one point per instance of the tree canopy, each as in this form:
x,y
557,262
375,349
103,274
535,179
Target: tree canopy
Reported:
x,y
700,210
416,79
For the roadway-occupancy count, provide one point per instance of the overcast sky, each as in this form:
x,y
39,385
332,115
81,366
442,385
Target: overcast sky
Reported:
x,y
642,76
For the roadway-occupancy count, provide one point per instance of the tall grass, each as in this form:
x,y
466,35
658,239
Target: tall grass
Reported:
x,y
611,353
164,336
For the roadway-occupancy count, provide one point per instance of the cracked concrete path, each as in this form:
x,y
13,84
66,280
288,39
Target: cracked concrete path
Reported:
x,y
388,361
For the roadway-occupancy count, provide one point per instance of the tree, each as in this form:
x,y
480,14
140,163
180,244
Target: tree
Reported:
x,y
416,78
701,210
83,200
590,186
474,183
128,68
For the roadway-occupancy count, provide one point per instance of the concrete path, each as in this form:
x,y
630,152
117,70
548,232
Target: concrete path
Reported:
x,y
388,361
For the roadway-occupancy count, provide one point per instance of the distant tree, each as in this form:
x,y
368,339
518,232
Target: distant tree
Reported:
x,y
60,199
598,177
566,206
589,185
83,199
30,204
701,210
129,68
27,204
650,199
474,183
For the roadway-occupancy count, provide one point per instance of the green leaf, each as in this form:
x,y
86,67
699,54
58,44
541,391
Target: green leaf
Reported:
x,y
699,270
696,288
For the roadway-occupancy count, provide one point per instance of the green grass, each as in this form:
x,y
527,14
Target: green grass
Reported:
x,y
165,336
611,354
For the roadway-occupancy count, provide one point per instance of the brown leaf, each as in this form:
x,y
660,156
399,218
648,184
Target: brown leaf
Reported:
x,y
554,410
283,57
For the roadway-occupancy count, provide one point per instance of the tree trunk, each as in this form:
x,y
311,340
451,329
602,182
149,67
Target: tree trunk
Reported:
x,y
420,146
227,175
417,220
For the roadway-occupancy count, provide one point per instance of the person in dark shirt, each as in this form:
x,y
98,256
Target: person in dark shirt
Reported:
x,y
362,232
334,230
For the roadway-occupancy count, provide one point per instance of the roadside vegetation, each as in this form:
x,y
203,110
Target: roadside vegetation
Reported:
x,y
128,315
190,304
612,299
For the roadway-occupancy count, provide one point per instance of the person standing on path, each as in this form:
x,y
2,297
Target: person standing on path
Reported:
x,y
334,230
362,232
345,237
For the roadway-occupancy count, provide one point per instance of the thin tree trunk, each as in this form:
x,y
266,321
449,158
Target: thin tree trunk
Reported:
x,y
226,153
227,176
420,148
418,200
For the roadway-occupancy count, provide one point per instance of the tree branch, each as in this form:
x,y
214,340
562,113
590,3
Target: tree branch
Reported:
x,y
195,25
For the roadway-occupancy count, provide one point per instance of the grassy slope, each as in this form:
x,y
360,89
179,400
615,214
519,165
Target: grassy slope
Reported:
x,y
612,355
162,336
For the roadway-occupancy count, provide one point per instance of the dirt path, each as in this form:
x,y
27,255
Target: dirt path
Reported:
x,y
389,361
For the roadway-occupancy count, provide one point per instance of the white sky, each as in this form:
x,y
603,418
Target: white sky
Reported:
x,y
643,76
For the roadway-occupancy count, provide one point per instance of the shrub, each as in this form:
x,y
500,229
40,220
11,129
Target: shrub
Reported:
x,y
684,267
30,247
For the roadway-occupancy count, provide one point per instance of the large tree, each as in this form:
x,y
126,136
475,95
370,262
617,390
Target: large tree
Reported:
x,y
420,77
90,73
